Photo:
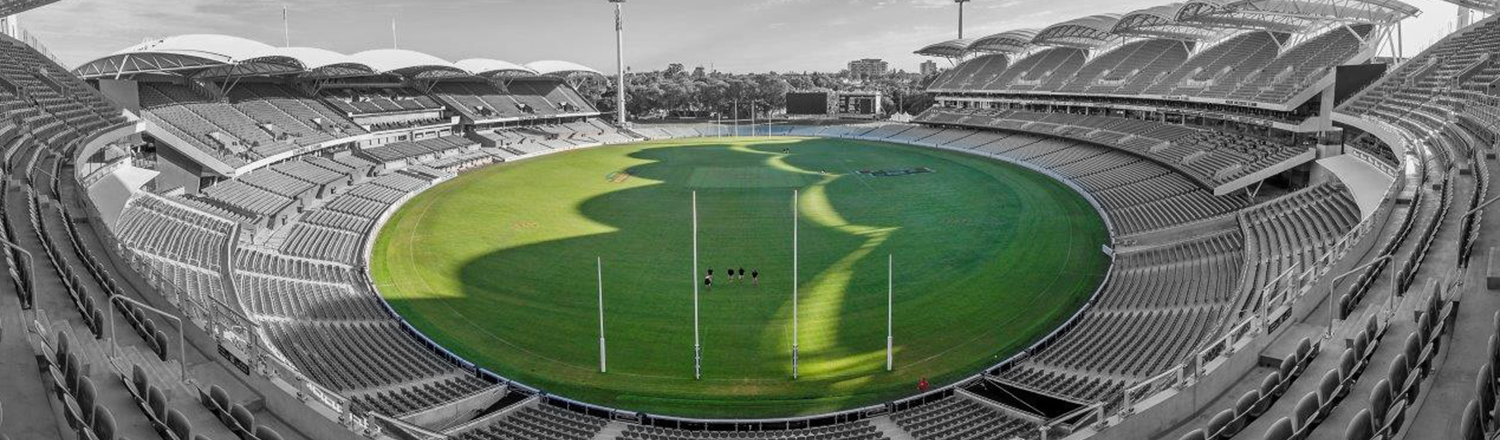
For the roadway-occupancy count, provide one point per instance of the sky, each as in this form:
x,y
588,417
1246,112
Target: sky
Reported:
x,y
735,36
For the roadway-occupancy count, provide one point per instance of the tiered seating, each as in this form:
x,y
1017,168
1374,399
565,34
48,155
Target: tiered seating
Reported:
x,y
1047,70
417,151
336,231
1295,69
959,418
1221,64
972,74
247,200
355,356
1295,230
160,228
538,422
1144,60
360,102
1160,305
184,247
254,121
1210,157
415,398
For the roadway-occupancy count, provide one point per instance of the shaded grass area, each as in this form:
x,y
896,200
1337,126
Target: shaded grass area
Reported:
x,y
498,265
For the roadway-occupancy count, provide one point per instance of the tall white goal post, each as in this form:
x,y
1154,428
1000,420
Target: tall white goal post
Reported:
x,y
599,266
697,343
795,195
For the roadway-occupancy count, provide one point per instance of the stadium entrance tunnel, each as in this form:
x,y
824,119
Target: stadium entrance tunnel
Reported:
x,y
988,257
1038,405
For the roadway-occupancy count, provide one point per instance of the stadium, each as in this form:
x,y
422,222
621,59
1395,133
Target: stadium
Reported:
x,y
1214,219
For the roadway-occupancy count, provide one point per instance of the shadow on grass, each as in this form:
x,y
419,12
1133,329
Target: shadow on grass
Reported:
x,y
531,311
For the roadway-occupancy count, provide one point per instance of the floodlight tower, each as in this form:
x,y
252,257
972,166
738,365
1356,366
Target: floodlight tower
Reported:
x,y
619,61
961,17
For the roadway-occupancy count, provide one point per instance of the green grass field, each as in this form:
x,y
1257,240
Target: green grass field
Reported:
x,y
498,265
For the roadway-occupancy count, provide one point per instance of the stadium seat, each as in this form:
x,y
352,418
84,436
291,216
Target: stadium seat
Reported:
x,y
1361,428
1281,430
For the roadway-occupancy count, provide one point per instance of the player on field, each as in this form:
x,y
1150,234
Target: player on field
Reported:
x,y
708,282
741,275
755,276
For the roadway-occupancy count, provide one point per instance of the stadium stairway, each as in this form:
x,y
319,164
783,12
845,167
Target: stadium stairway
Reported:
x,y
23,417
202,367
1471,332
890,429
1387,348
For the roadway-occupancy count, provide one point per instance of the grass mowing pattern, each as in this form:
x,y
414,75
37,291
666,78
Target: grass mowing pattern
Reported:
x,y
498,265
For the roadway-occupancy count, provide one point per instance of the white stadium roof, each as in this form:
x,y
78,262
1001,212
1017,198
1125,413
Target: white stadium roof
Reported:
x,y
1010,42
409,63
209,55
555,67
12,7
1191,20
947,49
489,67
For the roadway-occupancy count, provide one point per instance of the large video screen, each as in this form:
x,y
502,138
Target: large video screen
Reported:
x,y
807,103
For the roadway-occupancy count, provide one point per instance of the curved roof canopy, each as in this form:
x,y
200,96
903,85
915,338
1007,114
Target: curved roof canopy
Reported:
x,y
1161,22
206,55
1483,5
1009,42
408,63
947,49
193,53
491,68
12,7
1222,14
1082,33
1291,16
1369,11
305,61
560,68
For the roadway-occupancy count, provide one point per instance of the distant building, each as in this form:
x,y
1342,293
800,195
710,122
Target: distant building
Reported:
x,y
929,67
868,67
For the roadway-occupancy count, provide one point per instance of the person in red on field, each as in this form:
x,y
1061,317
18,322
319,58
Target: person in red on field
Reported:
x,y
922,385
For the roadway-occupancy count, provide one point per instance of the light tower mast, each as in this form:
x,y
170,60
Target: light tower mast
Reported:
x,y
961,17
619,62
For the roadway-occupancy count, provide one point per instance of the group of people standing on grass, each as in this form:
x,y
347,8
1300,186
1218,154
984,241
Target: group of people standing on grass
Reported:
x,y
733,275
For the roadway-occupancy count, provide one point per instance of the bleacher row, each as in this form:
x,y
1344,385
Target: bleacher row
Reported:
x,y
248,121
1250,66
1137,195
1210,157
106,384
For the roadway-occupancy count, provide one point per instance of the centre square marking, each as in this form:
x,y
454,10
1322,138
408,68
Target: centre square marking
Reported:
x,y
618,177
898,172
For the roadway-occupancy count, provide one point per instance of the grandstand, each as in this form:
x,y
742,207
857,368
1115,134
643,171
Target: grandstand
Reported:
x,y
1269,281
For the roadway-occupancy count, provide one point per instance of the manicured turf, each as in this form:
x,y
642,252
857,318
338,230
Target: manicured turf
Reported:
x,y
498,266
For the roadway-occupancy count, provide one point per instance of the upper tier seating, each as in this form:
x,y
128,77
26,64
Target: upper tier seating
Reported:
x,y
1212,158
1222,63
254,121
1296,68
361,102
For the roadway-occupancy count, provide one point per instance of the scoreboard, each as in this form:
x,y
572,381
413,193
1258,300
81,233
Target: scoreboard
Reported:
x,y
807,103
858,104
846,104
